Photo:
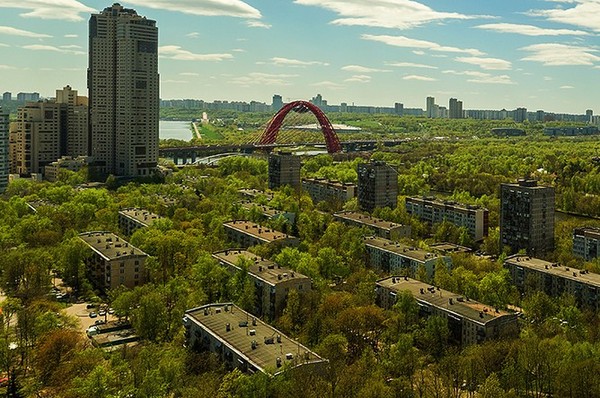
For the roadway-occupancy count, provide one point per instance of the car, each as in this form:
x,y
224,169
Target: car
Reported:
x,y
99,322
90,306
102,312
111,311
93,315
92,330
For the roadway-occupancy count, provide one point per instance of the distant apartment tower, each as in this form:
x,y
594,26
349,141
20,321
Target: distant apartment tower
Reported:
x,y
76,140
23,97
430,107
7,96
272,283
123,84
520,115
277,103
455,109
527,217
399,108
586,243
4,156
589,115
474,218
377,186
284,169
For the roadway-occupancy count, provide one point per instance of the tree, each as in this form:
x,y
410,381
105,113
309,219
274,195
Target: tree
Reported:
x,y
491,388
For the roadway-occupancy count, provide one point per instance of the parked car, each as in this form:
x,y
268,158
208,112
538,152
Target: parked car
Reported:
x,y
93,315
102,312
90,306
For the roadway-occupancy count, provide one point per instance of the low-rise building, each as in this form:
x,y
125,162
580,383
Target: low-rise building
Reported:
x,y
434,211
533,274
381,228
469,322
272,283
398,258
323,190
114,262
254,194
75,164
132,219
246,234
242,341
268,212
586,243
449,248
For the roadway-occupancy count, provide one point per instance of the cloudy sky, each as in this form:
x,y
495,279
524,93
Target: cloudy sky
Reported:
x,y
492,54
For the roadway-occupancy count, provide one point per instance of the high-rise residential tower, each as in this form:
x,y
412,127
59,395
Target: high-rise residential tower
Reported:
x,y
284,169
430,104
527,217
123,84
377,186
76,143
3,150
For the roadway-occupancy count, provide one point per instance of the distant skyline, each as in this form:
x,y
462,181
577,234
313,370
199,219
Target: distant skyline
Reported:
x,y
538,54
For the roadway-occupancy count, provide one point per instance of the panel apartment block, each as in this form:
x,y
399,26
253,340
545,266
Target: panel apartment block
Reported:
x,y
133,219
272,283
114,262
381,228
469,322
322,190
4,155
377,186
242,341
284,169
268,212
533,274
586,243
397,258
246,234
434,211
527,217
123,84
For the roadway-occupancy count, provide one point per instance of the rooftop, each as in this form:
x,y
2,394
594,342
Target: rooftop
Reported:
x,y
244,329
264,269
367,220
262,233
444,299
556,269
324,181
448,203
447,247
588,232
109,245
523,182
268,211
143,216
252,193
400,249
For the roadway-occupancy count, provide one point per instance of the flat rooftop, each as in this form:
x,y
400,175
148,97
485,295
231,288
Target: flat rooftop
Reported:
x,y
440,298
574,274
143,216
367,220
264,209
444,203
114,338
588,232
215,317
400,249
447,247
110,246
262,233
264,269
326,182
253,193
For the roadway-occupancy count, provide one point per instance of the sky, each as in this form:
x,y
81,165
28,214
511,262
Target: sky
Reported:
x,y
491,54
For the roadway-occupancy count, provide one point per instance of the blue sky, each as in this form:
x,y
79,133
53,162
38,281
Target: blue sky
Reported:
x,y
492,54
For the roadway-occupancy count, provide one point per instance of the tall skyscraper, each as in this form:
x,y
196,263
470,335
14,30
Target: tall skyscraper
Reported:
x,y
455,109
377,186
76,143
527,217
277,103
399,109
3,150
430,104
123,84
520,115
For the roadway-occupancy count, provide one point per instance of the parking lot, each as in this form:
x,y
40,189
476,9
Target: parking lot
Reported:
x,y
82,313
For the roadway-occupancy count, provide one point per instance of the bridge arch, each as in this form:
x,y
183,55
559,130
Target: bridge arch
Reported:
x,y
331,139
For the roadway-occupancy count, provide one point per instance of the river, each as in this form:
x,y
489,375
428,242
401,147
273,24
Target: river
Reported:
x,y
177,129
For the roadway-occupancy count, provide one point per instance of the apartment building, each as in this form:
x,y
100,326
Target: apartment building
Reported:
x,y
379,227
284,169
469,321
75,164
586,243
377,186
246,234
4,155
268,212
132,219
323,190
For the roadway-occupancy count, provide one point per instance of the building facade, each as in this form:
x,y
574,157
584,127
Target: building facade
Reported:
x,y
4,154
284,169
114,262
246,234
586,243
530,274
527,217
322,190
397,258
52,171
76,140
379,227
132,219
123,84
377,186
474,218
469,322
244,342
272,283
455,109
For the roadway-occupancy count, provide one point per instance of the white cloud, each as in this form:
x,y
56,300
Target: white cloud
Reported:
x,y
176,52
296,63
211,8
403,41
68,10
5,67
410,65
359,79
482,77
530,30
71,46
258,24
555,54
418,52
566,87
4,45
328,85
547,78
42,47
396,14
262,79
7,30
419,77
174,81
585,14
193,35
238,50
71,36
189,74
362,69
486,63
